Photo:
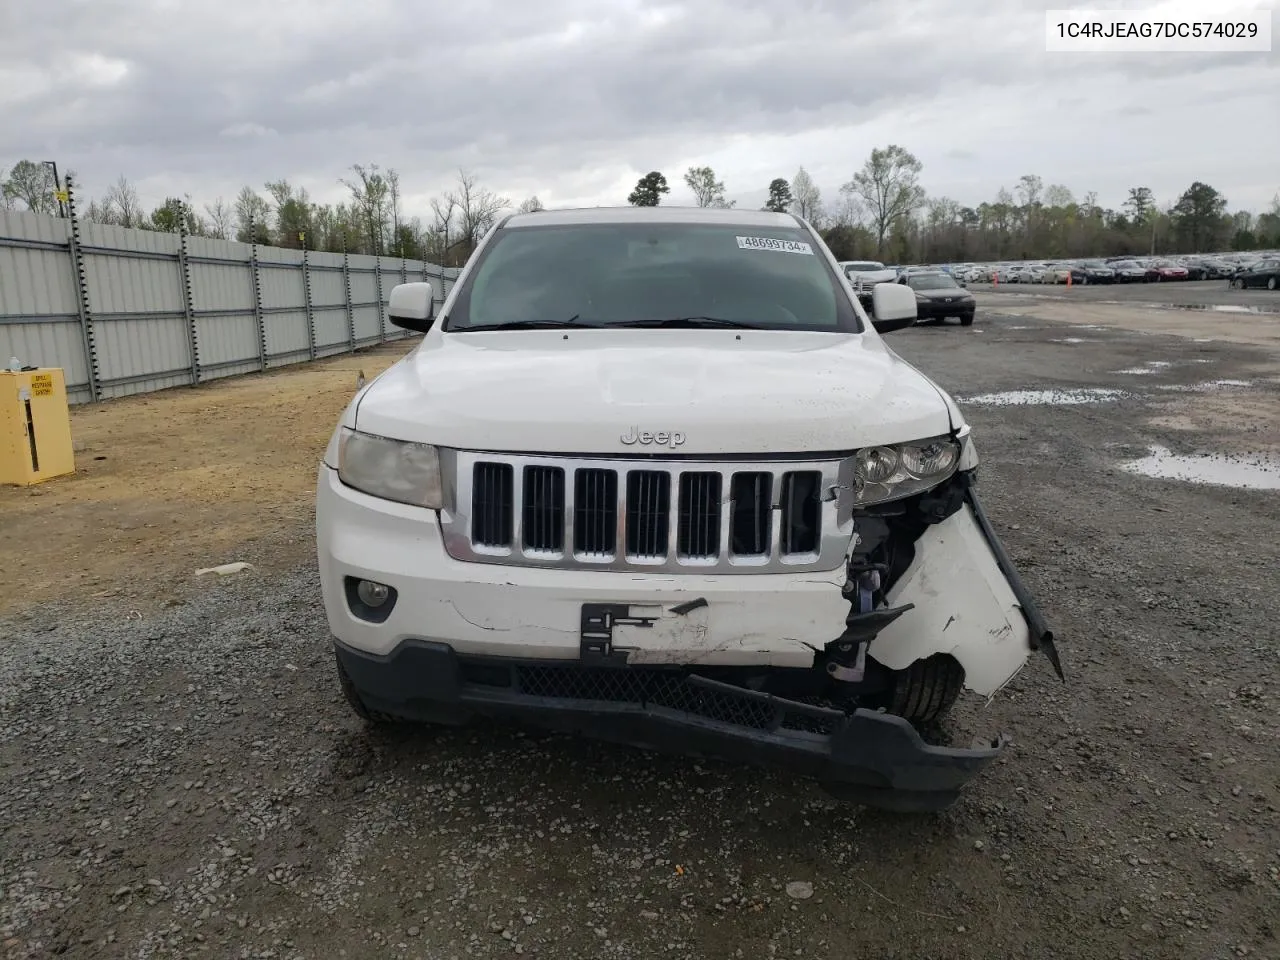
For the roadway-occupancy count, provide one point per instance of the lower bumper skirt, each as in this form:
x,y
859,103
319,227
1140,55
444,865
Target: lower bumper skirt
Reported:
x,y
866,757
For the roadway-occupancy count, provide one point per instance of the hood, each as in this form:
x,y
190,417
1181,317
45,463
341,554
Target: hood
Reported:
x,y
873,276
723,391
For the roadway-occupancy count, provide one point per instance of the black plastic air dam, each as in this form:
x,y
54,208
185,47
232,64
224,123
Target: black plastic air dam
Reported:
x,y
1041,635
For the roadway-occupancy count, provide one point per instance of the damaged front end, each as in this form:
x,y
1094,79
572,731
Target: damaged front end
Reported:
x,y
934,605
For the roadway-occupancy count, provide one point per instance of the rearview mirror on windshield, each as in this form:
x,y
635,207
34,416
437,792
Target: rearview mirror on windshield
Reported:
x,y
893,306
412,306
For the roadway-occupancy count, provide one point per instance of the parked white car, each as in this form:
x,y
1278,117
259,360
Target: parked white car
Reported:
x,y
653,474
864,274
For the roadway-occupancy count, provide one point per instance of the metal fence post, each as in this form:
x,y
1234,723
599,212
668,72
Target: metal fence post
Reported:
x,y
404,278
346,285
306,294
377,278
184,265
257,295
82,298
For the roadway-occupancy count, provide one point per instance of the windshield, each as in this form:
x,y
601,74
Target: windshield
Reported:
x,y
1096,265
868,267
931,281
637,274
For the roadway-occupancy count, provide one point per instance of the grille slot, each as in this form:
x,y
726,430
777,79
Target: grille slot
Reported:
x,y
595,512
752,495
801,511
648,513
698,535
542,520
491,506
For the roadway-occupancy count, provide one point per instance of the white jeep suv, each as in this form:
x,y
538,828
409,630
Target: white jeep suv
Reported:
x,y
653,475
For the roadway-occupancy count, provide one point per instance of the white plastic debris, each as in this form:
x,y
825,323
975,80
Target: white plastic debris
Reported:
x,y
226,569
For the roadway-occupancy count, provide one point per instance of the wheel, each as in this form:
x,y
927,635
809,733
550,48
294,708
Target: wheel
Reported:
x,y
1271,283
966,320
1084,281
927,689
1237,283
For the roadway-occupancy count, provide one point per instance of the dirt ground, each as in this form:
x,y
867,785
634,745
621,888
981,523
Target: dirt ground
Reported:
x,y
176,481
183,779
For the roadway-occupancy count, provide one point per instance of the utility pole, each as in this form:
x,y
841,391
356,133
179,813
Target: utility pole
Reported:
x,y
57,189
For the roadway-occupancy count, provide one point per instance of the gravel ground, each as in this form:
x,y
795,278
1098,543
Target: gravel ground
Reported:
x,y
185,780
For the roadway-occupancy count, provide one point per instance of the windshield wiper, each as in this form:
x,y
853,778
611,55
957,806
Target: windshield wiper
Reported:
x,y
572,322
688,322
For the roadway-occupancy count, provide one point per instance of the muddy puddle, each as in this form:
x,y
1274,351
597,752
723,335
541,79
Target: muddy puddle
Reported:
x,y
1055,398
1248,471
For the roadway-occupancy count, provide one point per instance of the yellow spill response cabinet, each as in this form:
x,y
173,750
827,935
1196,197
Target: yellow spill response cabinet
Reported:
x,y
35,426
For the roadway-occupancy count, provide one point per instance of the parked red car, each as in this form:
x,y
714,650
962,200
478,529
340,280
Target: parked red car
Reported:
x,y
1168,270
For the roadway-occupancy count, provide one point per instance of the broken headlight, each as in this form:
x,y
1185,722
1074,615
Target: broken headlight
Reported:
x,y
897,471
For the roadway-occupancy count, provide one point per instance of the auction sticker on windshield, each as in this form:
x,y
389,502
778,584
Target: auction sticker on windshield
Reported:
x,y
768,243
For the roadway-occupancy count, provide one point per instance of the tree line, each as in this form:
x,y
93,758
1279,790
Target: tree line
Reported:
x,y
372,220
882,212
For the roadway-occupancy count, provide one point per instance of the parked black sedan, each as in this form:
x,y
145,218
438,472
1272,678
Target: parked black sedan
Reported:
x,y
1264,273
1129,271
1094,271
938,296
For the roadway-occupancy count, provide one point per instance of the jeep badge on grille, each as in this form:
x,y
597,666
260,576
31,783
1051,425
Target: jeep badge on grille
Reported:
x,y
662,437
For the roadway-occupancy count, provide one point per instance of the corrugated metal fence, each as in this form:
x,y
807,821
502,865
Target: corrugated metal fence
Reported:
x,y
128,311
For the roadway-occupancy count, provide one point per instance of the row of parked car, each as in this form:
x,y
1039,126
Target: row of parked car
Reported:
x,y
1239,269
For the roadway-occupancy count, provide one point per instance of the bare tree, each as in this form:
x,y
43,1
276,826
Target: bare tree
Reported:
x,y
32,184
252,215
393,196
122,204
369,192
478,208
444,212
707,190
889,183
806,198
96,212
532,205
6,201
220,219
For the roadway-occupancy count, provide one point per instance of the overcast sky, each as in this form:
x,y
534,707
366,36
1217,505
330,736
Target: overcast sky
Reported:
x,y
573,100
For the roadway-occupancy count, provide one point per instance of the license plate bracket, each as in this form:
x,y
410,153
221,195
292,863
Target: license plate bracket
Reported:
x,y
595,642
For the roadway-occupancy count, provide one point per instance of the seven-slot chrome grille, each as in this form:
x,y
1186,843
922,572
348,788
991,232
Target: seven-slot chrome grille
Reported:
x,y
614,514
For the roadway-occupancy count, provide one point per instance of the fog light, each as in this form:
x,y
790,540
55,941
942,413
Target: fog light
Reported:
x,y
372,594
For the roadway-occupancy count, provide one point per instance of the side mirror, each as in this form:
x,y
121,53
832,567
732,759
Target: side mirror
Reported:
x,y
412,306
893,307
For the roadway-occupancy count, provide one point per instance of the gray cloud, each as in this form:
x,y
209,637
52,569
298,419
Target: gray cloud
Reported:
x,y
573,99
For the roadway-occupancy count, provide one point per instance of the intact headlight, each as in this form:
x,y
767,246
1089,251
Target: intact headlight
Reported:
x,y
390,469
903,469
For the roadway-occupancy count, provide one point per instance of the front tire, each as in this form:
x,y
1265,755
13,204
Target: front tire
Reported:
x,y
1271,283
926,690
966,320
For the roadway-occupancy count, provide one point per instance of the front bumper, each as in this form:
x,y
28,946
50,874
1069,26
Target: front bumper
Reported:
x,y
866,757
938,310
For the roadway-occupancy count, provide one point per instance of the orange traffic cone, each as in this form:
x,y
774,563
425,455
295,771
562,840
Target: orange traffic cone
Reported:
x,y
1068,278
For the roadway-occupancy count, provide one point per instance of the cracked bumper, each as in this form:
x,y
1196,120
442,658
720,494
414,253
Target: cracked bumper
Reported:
x,y
865,757
483,609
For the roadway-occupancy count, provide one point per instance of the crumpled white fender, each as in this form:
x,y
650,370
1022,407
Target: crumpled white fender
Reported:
x,y
964,606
